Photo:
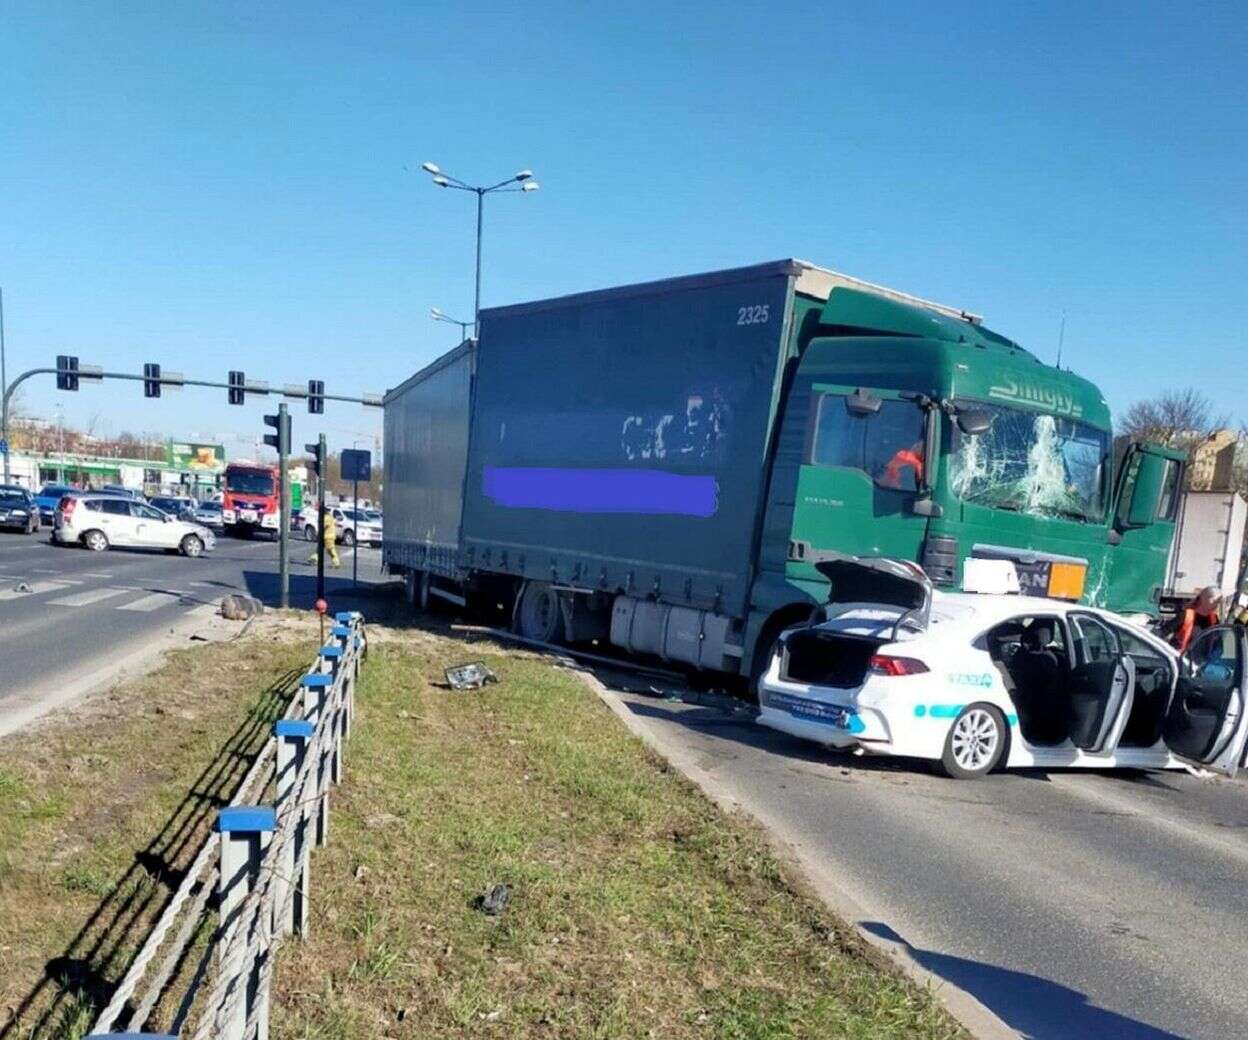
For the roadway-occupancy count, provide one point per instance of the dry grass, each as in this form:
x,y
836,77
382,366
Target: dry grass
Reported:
x,y
637,908
102,807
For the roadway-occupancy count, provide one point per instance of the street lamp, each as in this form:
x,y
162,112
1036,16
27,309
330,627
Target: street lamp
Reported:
x,y
522,181
438,315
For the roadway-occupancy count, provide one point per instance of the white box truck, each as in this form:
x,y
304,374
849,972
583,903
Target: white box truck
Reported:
x,y
1208,546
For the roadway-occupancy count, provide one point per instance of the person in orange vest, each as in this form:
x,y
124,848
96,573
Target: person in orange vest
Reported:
x,y
904,458
1199,613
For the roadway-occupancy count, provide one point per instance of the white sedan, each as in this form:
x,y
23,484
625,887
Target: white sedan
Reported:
x,y
977,681
99,522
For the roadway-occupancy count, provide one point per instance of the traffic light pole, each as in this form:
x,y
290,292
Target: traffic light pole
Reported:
x,y
283,508
320,517
92,374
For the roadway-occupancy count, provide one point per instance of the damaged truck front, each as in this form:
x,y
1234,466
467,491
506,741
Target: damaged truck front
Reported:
x,y
663,465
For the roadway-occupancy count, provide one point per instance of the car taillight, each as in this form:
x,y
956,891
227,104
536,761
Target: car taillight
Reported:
x,y
67,507
883,664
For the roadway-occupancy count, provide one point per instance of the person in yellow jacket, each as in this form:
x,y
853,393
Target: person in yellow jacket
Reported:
x,y
329,539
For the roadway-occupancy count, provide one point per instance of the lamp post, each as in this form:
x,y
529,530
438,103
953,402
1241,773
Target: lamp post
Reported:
x,y
438,315
522,181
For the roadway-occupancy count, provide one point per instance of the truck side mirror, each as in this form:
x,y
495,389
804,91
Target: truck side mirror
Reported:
x,y
1145,491
862,403
974,421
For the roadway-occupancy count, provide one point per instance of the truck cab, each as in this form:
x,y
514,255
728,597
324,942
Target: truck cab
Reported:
x,y
917,435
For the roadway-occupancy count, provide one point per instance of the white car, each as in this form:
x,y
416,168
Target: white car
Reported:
x,y
351,526
100,521
976,681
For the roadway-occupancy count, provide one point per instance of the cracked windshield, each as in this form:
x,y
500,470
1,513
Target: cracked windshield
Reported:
x,y
1032,463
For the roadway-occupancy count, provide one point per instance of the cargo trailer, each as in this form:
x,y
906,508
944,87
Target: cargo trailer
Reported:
x,y
663,465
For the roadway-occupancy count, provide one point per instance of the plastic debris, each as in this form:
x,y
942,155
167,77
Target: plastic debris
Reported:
x,y
495,901
469,676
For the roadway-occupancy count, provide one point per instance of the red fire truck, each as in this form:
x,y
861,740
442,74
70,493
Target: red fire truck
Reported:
x,y
250,500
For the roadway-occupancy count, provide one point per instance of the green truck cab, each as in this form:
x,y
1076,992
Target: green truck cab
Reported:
x,y
662,466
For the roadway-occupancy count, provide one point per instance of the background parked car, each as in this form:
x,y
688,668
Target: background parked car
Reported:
x,y
99,521
49,498
182,508
121,489
209,514
18,511
351,526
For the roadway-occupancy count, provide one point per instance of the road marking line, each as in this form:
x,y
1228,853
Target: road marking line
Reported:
x,y
207,584
97,574
153,602
83,599
36,588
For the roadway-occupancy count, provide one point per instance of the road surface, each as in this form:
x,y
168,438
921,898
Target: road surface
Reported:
x,y
86,609
1074,905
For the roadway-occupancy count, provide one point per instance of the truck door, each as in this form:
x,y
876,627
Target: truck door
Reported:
x,y
1102,687
1206,724
1146,498
864,466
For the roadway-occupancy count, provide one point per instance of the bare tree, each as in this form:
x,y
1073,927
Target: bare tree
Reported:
x,y
1175,418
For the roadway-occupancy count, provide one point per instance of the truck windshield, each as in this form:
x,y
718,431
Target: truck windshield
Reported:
x,y
250,482
1032,463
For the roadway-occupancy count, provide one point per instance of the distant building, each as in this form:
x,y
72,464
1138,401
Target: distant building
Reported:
x,y
1215,459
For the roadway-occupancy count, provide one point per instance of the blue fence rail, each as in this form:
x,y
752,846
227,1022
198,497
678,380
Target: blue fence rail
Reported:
x,y
257,861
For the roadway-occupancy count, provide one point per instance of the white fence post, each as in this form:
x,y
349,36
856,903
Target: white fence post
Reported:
x,y
290,898
245,831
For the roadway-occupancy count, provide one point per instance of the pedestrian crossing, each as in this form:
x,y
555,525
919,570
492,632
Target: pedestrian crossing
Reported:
x,y
66,593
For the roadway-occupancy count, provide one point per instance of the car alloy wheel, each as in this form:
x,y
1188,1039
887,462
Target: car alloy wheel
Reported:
x,y
192,546
95,541
975,744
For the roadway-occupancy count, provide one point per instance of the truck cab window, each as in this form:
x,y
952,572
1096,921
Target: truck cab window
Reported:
x,y
887,445
1168,500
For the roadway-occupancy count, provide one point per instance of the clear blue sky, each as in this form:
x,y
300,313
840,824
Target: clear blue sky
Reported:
x,y
237,185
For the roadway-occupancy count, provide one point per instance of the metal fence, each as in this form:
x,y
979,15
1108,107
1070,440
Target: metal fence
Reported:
x,y
256,861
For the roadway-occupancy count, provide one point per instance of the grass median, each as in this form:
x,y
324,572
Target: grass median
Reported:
x,y
637,908
103,806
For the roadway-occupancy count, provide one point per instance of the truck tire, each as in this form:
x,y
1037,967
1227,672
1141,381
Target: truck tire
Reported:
x,y
539,615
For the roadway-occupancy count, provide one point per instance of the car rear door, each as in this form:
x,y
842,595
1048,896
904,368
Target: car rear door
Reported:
x,y
1206,723
1102,687
113,518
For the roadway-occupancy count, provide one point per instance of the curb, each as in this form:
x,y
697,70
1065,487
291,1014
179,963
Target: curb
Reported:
x,y
962,1005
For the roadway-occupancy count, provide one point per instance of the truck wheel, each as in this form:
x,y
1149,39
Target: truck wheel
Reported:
x,y
539,616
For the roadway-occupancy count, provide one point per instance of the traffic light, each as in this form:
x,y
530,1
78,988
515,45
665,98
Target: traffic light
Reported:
x,y
316,396
317,463
236,392
151,380
66,372
279,441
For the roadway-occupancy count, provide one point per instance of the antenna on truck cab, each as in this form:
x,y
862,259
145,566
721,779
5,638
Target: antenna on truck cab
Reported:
x,y
1061,338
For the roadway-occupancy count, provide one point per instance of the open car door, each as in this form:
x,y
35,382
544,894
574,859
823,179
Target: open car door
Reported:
x,y
1206,724
1102,686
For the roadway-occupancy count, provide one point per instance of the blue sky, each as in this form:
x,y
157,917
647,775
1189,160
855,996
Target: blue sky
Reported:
x,y
218,186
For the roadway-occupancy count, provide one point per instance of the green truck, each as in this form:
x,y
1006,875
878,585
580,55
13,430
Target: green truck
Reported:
x,y
662,465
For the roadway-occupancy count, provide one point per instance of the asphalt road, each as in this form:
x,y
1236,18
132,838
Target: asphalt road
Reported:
x,y
1072,904
85,609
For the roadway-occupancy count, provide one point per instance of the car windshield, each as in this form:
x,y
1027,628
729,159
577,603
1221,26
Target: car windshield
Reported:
x,y
210,507
1045,465
54,491
12,500
250,482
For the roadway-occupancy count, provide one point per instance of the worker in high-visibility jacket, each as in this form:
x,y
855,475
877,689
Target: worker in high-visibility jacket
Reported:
x,y
905,458
1198,613
329,539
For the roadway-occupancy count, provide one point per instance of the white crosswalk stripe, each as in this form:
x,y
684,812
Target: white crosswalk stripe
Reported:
x,y
83,599
151,602
35,588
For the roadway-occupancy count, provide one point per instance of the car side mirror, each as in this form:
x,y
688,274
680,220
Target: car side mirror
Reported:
x,y
974,421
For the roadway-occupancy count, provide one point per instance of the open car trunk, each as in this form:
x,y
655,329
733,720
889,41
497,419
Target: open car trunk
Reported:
x,y
870,600
823,658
